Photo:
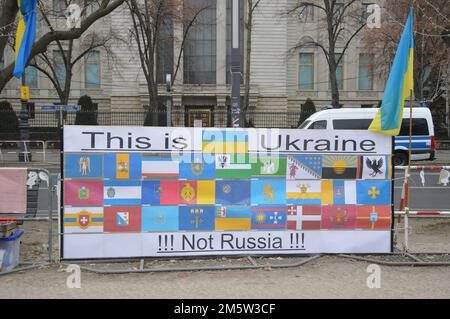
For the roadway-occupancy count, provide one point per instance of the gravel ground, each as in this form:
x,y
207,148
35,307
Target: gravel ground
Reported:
x,y
326,277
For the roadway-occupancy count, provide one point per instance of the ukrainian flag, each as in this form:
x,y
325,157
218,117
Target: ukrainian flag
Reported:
x,y
399,85
26,32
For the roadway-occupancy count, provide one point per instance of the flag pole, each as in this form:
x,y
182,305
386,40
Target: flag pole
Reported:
x,y
408,175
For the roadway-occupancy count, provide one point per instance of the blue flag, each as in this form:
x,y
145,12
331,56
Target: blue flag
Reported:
x,y
269,217
372,192
25,35
159,218
197,218
123,166
83,166
198,167
268,191
400,84
151,192
233,192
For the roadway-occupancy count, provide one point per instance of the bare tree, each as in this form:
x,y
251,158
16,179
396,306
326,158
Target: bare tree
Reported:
x,y
152,21
8,14
69,53
432,54
251,7
342,22
105,7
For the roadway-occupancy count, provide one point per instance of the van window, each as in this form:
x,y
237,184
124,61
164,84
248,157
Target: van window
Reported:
x,y
352,124
319,125
420,127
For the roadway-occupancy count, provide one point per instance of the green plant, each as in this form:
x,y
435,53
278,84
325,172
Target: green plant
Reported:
x,y
9,123
88,113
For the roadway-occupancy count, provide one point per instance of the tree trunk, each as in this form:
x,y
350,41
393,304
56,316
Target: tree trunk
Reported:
x,y
8,14
329,5
248,57
5,76
333,83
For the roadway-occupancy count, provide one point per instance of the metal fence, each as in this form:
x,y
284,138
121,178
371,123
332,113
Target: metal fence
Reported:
x,y
44,124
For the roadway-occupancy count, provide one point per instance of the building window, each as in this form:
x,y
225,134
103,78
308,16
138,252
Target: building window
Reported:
x,y
59,8
306,13
340,71
365,81
92,70
200,47
306,71
31,78
165,50
241,38
60,68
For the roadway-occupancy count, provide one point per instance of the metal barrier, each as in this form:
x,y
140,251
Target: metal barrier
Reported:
x,y
396,259
405,207
35,179
26,144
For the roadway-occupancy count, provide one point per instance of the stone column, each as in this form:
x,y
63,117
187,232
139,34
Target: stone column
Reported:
x,y
221,40
178,39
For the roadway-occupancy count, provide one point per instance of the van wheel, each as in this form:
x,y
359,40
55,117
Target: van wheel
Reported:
x,y
400,159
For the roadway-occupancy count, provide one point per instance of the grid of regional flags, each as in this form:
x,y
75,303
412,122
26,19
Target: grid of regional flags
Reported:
x,y
228,190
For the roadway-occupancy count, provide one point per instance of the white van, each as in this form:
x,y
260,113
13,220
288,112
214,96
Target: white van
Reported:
x,y
423,142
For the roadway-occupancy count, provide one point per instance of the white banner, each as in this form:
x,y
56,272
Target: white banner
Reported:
x,y
86,246
167,140
156,192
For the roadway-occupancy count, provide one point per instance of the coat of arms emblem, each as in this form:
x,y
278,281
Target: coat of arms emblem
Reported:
x,y
83,193
84,165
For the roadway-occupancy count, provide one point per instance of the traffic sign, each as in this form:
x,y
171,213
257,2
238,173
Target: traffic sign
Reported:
x,y
24,93
58,107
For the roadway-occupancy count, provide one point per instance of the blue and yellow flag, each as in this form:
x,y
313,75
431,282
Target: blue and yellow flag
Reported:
x,y
26,32
399,85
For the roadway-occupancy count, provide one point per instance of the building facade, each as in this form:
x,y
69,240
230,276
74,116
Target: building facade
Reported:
x,y
283,76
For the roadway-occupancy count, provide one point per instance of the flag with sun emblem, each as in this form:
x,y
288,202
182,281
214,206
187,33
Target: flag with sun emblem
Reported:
x,y
269,217
198,167
340,167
